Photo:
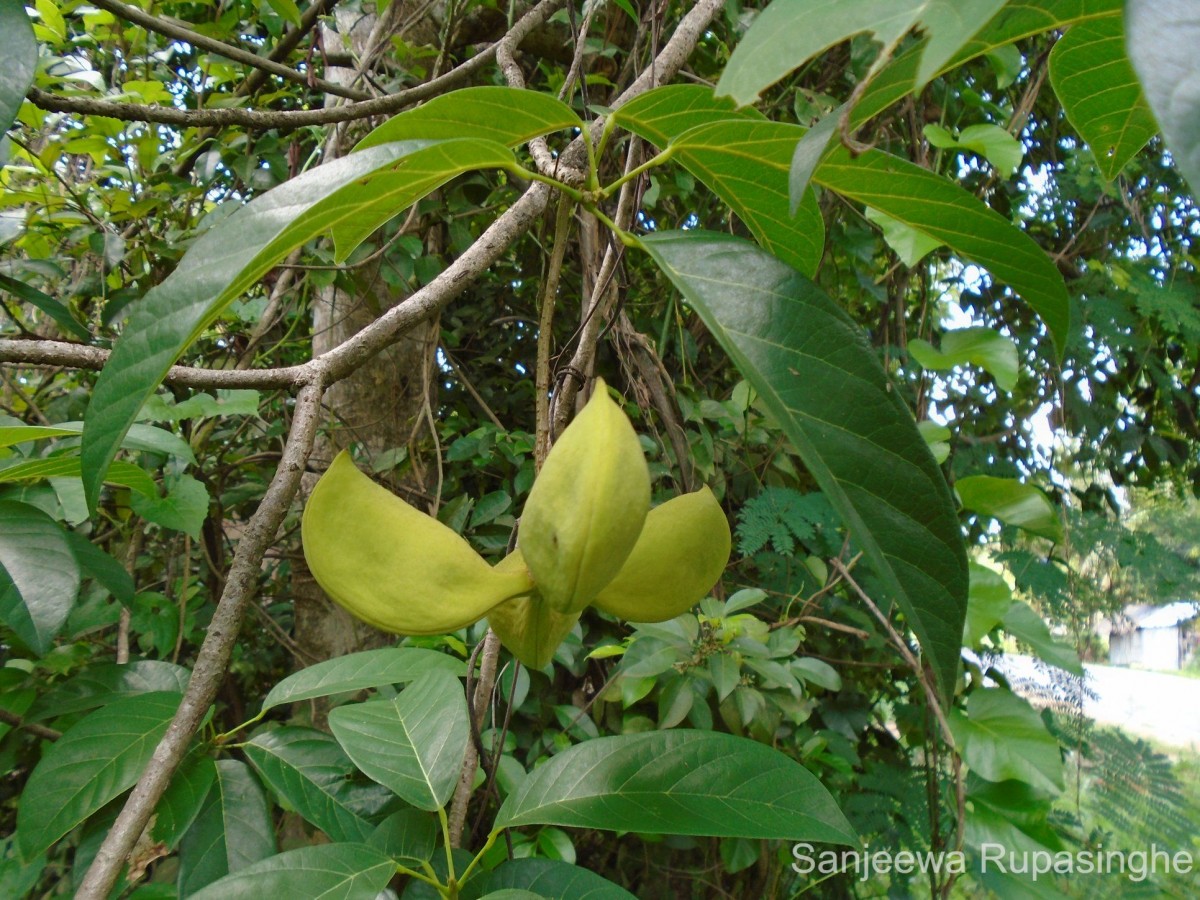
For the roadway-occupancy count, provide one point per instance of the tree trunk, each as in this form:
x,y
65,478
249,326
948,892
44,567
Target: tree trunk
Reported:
x,y
387,404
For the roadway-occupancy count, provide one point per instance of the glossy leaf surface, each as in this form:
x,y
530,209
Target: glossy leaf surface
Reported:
x,y
1100,94
97,759
324,872
311,773
1012,502
814,371
678,782
232,831
413,744
39,577
359,671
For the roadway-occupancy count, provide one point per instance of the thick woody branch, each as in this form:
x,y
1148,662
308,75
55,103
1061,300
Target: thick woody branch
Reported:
x,y
180,32
215,652
267,119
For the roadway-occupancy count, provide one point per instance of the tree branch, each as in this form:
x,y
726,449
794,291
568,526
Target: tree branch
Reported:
x,y
215,652
177,31
84,356
267,119
11,718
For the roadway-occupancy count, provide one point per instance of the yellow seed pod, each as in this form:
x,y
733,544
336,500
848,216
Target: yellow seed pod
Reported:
x,y
527,625
586,507
393,566
680,555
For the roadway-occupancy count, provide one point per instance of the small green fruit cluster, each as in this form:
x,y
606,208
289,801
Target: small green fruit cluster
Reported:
x,y
587,538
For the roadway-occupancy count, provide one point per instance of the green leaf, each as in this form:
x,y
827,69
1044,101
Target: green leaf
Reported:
x,y
39,577
1161,38
55,309
232,832
747,164
678,782
1002,737
991,142
1013,23
287,9
184,798
310,772
183,509
910,245
94,563
414,744
119,472
507,116
324,872
1012,502
139,437
1100,93
19,50
717,144
816,374
94,761
944,211
1027,626
988,601
662,114
937,437
408,836
790,32
103,683
351,196
552,879
160,408
983,347
359,671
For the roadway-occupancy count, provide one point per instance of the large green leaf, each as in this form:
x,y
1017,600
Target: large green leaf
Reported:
x,y
232,831
1027,626
552,879
119,472
815,372
662,114
679,782
409,836
742,157
747,163
39,577
943,210
508,116
18,49
1001,737
1012,502
359,671
790,32
1018,19
103,683
351,196
311,773
184,798
94,761
414,744
139,437
1100,93
55,309
1162,36
990,598
324,872
983,347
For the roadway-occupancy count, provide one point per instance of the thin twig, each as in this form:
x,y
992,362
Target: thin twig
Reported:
x,y
267,119
8,717
177,31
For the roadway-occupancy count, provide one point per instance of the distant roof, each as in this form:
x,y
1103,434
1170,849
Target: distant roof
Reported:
x,y
1164,616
